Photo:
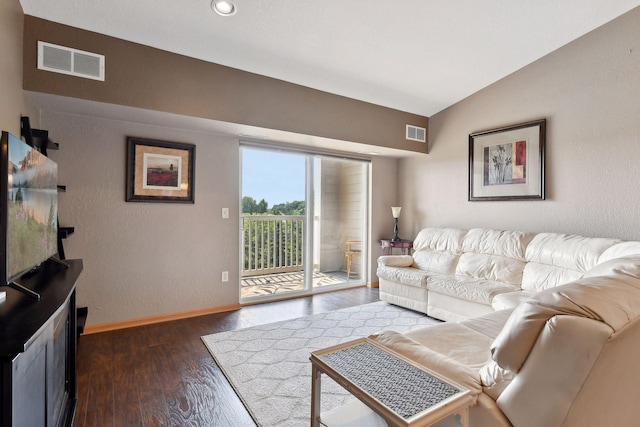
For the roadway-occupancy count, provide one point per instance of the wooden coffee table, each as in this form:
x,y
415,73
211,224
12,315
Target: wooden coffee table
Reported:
x,y
396,388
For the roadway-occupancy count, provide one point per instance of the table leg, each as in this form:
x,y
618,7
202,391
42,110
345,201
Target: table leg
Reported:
x,y
315,396
464,417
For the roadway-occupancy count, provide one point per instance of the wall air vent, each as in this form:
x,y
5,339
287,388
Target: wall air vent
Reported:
x,y
416,133
74,62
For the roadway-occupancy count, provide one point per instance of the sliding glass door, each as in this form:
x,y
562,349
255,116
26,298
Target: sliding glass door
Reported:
x,y
339,221
304,222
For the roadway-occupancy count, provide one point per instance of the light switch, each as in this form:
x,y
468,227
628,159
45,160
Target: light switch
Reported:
x,y
225,213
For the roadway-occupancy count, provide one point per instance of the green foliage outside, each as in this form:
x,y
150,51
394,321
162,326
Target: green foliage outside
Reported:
x,y
289,208
251,207
30,241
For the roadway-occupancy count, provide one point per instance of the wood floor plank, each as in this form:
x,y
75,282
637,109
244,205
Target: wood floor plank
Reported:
x,y
100,406
163,375
84,357
127,406
153,408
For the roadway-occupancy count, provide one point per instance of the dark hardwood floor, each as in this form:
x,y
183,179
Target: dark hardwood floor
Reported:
x,y
163,375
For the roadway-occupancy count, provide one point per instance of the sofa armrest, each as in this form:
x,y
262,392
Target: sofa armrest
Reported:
x,y
395,261
511,347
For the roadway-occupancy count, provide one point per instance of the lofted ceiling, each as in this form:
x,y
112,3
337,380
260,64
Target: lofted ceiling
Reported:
x,y
419,56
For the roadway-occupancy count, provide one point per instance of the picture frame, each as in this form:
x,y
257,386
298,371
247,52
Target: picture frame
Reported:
x,y
160,171
508,163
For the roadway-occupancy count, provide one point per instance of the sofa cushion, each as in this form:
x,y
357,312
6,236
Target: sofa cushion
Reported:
x,y
489,324
456,341
438,249
554,259
508,244
491,267
538,277
395,260
494,255
510,299
620,250
468,288
406,276
629,266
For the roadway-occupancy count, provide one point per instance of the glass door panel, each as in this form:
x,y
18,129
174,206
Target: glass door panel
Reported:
x,y
340,218
273,223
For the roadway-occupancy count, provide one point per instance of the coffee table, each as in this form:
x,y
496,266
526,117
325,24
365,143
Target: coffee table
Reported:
x,y
396,388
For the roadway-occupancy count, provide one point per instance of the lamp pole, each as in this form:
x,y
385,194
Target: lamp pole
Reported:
x,y
395,231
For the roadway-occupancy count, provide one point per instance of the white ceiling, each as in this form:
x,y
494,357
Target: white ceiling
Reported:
x,y
419,56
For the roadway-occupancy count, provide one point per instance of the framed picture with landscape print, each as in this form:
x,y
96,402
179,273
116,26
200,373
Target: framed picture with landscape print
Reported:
x,y
507,163
160,171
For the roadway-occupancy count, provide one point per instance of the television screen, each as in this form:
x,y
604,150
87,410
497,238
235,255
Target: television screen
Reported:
x,y
31,222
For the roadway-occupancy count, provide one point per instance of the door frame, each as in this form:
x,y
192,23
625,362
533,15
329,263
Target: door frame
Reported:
x,y
308,230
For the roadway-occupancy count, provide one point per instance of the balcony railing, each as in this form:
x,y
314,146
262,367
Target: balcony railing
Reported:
x,y
272,244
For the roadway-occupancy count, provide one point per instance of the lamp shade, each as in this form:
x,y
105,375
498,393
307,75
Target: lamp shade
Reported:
x,y
395,211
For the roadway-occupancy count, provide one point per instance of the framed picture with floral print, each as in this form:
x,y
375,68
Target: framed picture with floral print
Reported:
x,y
507,163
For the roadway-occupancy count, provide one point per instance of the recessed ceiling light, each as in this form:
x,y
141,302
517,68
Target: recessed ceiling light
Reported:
x,y
223,7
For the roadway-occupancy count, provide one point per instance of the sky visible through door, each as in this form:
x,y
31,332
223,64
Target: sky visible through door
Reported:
x,y
273,176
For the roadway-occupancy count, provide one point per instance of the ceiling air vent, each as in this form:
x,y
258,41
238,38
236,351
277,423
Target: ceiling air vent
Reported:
x,y
415,133
74,62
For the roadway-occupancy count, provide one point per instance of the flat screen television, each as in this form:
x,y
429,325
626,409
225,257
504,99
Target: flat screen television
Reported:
x,y
28,208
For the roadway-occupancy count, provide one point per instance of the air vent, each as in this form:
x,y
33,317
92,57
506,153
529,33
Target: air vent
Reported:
x,y
74,62
415,133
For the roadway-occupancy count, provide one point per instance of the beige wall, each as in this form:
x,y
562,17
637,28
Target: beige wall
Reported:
x,y
12,104
143,77
589,91
145,259
148,259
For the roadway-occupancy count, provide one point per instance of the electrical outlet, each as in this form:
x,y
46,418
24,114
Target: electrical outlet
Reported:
x,y
225,276
225,213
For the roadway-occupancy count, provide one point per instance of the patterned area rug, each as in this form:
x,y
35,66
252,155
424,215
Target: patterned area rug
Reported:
x,y
269,366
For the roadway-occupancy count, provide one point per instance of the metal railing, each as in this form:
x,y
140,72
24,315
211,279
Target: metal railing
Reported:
x,y
272,244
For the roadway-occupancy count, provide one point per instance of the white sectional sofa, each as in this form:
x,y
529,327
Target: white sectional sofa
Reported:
x,y
457,274
564,354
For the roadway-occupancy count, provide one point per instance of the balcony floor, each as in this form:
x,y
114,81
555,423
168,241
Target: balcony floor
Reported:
x,y
286,282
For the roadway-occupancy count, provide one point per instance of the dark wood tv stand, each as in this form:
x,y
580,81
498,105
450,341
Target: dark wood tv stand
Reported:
x,y
38,349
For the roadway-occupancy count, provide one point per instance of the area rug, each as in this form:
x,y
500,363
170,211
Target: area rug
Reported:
x,y
269,366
